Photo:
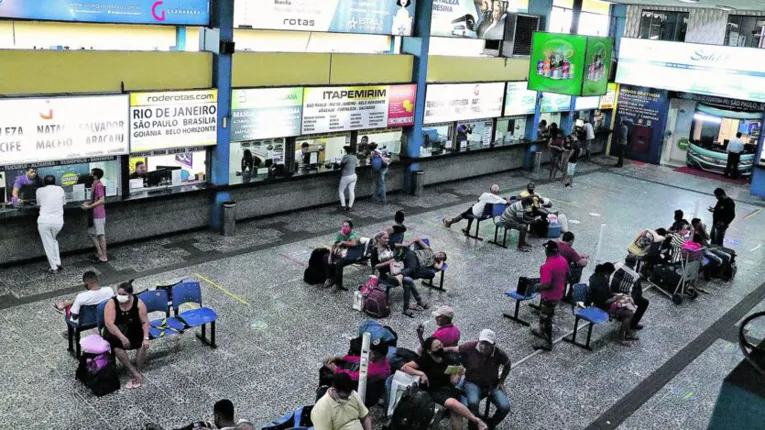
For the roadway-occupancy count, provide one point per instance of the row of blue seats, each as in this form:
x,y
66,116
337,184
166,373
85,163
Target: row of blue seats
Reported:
x,y
156,300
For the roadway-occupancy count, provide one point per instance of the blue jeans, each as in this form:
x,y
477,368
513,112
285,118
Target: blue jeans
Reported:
x,y
473,396
380,190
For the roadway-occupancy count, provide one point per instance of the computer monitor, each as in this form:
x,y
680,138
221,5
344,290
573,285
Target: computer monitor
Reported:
x,y
579,123
86,180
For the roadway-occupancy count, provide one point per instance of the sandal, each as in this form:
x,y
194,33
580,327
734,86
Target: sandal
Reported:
x,y
56,308
524,248
466,231
446,222
408,314
132,384
417,308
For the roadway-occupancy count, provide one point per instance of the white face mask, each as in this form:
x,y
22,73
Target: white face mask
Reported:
x,y
123,299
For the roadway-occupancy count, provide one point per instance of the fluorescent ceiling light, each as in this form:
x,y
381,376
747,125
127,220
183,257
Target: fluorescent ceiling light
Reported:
x,y
689,1
707,118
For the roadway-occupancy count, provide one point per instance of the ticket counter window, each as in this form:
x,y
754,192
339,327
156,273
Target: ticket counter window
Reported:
x,y
157,172
256,160
437,139
473,135
388,141
315,154
510,131
550,117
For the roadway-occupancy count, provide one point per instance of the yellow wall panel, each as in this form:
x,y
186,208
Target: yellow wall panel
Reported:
x,y
271,69
371,69
50,72
476,69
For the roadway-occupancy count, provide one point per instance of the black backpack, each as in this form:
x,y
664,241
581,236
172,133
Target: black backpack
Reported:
x,y
97,372
414,411
316,272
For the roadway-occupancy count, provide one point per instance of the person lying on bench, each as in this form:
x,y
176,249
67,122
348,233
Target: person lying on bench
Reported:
x,y
618,306
383,259
343,253
127,328
492,197
422,262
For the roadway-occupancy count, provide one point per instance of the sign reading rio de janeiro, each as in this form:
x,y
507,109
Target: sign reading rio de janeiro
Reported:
x,y
168,12
569,64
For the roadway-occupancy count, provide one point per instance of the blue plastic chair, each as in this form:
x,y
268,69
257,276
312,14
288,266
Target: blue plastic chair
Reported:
x,y
429,282
191,292
591,314
532,291
487,214
396,238
88,319
100,315
156,301
497,211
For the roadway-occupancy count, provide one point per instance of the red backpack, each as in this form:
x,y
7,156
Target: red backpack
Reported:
x,y
376,302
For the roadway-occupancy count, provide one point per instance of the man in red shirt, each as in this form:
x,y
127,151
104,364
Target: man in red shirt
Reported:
x,y
552,286
576,262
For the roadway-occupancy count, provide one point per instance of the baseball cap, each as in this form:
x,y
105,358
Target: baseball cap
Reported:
x,y
551,246
488,336
444,311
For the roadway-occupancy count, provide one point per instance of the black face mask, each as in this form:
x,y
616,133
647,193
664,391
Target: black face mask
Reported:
x,y
439,353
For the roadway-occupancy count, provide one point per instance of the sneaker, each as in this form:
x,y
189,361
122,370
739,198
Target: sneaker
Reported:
x,y
328,283
637,327
524,248
543,348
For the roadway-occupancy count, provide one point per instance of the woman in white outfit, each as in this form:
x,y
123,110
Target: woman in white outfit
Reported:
x,y
348,178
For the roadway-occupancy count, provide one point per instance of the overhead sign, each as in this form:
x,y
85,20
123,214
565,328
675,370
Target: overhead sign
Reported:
x,y
331,109
266,113
737,73
457,102
597,66
473,19
552,102
586,103
62,128
393,17
176,119
168,12
519,100
607,101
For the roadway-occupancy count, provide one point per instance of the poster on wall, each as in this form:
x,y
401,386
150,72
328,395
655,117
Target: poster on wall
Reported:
x,y
167,12
455,102
586,103
556,63
552,102
177,119
62,128
391,17
597,66
333,109
519,100
643,111
474,19
607,101
266,113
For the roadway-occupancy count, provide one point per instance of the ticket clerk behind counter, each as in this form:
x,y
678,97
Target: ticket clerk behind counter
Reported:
x,y
25,186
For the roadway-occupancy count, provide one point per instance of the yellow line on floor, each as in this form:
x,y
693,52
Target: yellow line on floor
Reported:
x,y
228,293
753,214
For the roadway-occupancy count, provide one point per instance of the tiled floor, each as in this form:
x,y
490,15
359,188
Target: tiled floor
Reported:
x,y
273,330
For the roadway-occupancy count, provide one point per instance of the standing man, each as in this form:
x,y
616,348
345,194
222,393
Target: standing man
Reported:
x,y
51,199
722,215
735,148
589,136
482,360
380,166
621,146
28,178
97,222
552,284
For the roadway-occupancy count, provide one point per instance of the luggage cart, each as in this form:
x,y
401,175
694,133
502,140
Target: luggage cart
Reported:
x,y
689,263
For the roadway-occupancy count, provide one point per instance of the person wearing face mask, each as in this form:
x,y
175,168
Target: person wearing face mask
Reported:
x,y
342,254
431,368
223,413
93,295
127,328
341,408
383,259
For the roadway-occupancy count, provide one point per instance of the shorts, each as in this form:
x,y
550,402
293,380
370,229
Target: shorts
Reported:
x,y
513,224
443,394
99,227
135,336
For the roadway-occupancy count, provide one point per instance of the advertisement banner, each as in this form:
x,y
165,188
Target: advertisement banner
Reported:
x,y
177,119
519,100
736,73
643,111
456,102
552,102
557,62
607,101
597,65
266,113
392,17
167,12
62,128
586,103
333,109
474,19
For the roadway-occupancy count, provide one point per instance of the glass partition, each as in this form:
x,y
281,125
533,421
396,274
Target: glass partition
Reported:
x,y
256,160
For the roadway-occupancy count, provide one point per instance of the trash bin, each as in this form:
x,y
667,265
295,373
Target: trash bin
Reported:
x,y
537,162
418,182
228,221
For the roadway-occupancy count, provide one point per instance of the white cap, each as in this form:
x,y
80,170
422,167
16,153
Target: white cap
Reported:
x,y
488,336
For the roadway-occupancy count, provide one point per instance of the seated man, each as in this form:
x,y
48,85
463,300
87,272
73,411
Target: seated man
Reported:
x,y
671,247
482,360
492,197
447,332
518,216
223,419
127,328
618,306
680,225
699,232
341,408
576,262
627,281
94,295
421,262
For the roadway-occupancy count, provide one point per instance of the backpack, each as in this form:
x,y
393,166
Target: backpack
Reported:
x,y
378,331
414,411
376,303
98,373
401,357
377,163
316,272
299,419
